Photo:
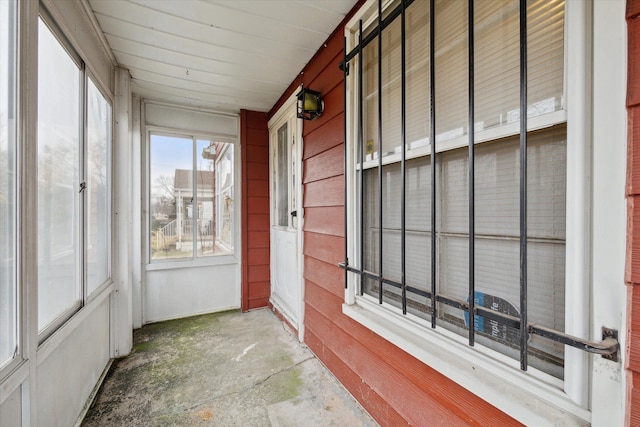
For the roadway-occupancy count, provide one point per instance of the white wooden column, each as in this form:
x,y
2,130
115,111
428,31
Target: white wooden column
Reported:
x,y
123,158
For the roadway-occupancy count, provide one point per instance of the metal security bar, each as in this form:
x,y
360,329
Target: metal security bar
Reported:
x,y
608,347
524,339
345,73
361,138
432,138
403,160
471,132
380,142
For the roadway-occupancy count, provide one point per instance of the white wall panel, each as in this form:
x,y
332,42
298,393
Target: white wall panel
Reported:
x,y
609,207
11,409
191,120
180,292
67,375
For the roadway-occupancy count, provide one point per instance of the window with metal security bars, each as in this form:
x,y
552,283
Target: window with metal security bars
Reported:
x,y
460,209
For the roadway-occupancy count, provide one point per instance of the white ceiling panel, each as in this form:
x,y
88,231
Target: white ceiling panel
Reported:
x,y
137,63
223,54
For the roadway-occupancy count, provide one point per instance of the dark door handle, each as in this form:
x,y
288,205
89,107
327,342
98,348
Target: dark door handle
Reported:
x,y
294,213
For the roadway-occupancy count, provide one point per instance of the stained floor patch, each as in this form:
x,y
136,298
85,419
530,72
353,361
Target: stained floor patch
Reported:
x,y
226,369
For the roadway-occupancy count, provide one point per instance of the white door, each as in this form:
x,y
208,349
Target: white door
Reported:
x,y
286,214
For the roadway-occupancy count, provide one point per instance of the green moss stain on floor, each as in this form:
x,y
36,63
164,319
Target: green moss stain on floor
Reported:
x,y
186,366
188,325
285,386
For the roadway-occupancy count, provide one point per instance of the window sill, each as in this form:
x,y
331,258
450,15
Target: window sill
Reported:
x,y
53,341
525,396
422,147
171,264
18,372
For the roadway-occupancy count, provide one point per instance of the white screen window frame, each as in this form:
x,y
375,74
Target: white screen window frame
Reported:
x,y
85,75
11,11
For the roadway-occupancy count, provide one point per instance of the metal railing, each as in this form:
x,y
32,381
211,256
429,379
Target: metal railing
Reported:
x,y
178,231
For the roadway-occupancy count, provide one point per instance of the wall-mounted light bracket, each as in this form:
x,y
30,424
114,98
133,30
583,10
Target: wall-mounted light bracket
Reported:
x,y
209,152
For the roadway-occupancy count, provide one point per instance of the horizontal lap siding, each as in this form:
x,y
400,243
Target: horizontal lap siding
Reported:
x,y
377,407
255,210
325,165
395,388
633,215
433,389
325,220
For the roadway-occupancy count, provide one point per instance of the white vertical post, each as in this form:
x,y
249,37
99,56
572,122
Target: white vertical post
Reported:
x,y
122,299
179,209
609,207
28,200
137,217
578,236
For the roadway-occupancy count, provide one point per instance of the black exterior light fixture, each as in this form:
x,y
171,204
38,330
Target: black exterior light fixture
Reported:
x,y
310,104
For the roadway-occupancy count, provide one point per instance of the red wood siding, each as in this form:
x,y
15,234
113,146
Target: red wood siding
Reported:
x,y
395,388
254,137
632,275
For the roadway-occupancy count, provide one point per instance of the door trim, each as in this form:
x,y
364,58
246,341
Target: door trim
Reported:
x,y
278,118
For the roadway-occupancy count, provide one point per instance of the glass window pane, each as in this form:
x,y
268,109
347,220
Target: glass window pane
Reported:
x,y
224,198
8,282
417,77
171,198
370,102
391,89
97,193
207,152
497,71
282,177
58,179
451,64
497,226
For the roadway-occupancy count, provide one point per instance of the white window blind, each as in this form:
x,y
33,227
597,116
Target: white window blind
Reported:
x,y
496,54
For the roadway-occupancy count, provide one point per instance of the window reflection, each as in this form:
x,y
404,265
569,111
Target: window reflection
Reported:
x,y
59,134
8,282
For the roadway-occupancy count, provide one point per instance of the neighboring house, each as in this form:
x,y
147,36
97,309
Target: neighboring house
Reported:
x,y
396,233
185,212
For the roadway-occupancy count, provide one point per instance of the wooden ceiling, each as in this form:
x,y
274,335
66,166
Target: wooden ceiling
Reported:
x,y
217,54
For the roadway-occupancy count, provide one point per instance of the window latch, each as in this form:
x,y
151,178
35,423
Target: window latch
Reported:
x,y
83,186
294,213
344,66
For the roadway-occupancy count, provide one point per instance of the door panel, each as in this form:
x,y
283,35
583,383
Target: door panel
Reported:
x,y
286,281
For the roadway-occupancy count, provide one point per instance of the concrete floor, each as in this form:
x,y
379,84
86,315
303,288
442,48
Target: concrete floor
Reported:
x,y
225,369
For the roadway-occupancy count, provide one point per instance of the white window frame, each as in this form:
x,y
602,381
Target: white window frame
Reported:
x,y
194,260
274,156
532,396
85,74
219,192
17,358
89,297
